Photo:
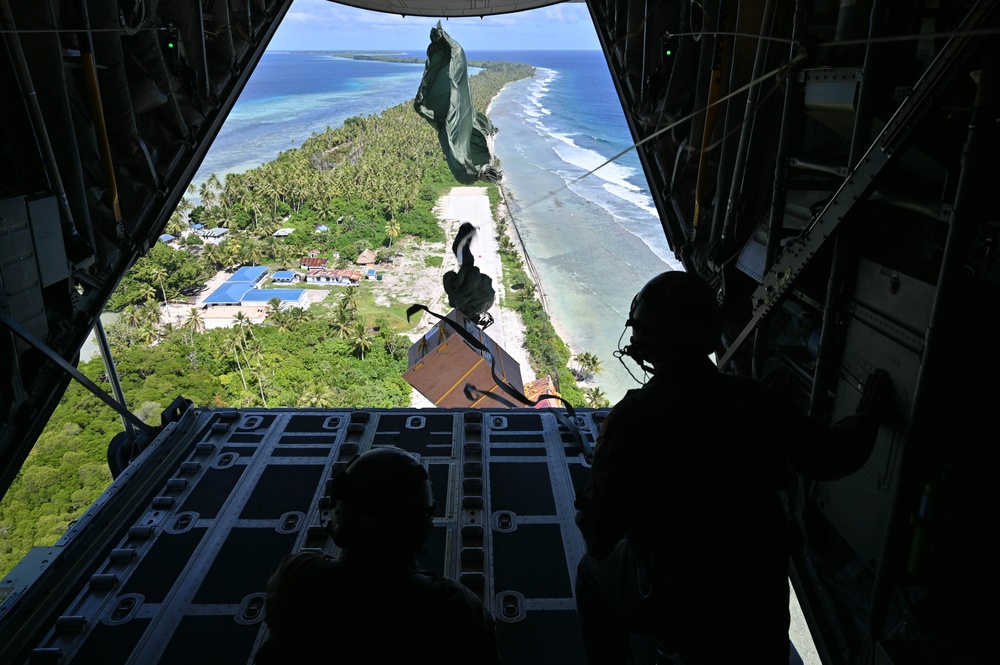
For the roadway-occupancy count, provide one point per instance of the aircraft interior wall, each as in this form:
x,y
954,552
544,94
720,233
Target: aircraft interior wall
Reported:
x,y
109,111
826,166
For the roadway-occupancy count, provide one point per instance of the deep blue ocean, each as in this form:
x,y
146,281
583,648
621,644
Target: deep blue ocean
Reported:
x,y
594,241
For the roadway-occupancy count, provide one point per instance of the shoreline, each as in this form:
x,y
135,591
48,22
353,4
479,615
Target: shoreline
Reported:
x,y
590,255
532,270
514,233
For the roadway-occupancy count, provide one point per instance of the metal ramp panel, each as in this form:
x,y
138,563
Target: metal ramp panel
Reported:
x,y
239,490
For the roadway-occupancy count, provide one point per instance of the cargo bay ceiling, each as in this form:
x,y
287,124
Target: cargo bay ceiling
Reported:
x,y
445,8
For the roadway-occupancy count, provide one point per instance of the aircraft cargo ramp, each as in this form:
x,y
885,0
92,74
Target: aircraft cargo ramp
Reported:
x,y
222,495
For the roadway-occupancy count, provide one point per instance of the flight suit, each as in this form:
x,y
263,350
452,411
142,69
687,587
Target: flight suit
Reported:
x,y
687,538
325,610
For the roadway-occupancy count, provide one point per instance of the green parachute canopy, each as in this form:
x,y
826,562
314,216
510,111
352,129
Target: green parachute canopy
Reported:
x,y
445,100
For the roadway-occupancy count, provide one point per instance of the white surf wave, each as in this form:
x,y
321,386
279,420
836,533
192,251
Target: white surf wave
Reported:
x,y
588,160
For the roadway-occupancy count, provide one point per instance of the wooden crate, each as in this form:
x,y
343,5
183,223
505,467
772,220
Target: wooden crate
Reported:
x,y
449,372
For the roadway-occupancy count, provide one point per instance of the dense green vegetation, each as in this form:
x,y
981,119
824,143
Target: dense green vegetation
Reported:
x,y
160,275
328,358
371,181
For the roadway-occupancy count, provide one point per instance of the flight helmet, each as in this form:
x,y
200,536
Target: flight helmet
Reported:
x,y
383,499
674,314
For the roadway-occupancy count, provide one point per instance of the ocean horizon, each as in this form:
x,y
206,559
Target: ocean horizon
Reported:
x,y
594,240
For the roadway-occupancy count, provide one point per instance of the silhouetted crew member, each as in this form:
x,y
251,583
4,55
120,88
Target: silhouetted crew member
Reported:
x,y
685,531
374,604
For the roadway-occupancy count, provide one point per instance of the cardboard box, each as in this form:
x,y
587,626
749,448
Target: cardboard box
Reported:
x,y
451,373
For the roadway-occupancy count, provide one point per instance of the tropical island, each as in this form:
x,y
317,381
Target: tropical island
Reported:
x,y
372,188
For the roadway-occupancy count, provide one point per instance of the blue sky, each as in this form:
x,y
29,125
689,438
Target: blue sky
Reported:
x,y
322,25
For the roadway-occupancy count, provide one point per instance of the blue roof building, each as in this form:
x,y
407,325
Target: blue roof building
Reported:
x,y
166,237
228,294
247,275
239,289
263,295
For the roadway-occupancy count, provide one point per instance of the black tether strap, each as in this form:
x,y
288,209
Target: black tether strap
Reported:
x,y
503,384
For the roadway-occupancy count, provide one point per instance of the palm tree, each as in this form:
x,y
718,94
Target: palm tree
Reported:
x,y
184,206
343,322
595,364
274,307
212,256
596,399
325,210
230,252
243,325
150,313
159,275
360,339
132,316
176,224
257,347
194,323
392,230
318,395
297,316
269,247
589,365
252,252
237,344
147,333
284,255
208,191
194,320
349,300
528,290
145,291
225,214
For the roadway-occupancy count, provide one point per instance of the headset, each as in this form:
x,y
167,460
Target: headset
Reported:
x,y
384,497
675,312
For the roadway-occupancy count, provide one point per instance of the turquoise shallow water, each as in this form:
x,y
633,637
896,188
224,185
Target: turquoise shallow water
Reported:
x,y
292,95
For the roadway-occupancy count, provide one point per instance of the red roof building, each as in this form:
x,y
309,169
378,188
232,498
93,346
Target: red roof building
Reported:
x,y
314,263
333,277
543,386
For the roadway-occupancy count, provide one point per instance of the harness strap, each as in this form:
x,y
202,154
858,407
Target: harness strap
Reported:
x,y
502,383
